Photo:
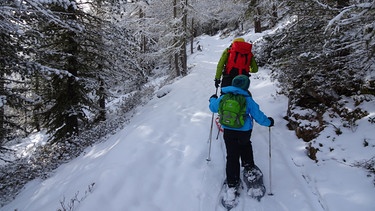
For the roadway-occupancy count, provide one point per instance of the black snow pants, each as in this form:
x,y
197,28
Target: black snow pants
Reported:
x,y
238,147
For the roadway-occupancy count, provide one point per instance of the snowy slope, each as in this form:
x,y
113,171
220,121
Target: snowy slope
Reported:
x,y
158,162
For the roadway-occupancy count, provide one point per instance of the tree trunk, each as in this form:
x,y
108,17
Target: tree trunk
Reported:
x,y
176,40
184,42
102,97
143,37
255,9
71,116
176,64
257,22
274,16
2,117
342,3
192,36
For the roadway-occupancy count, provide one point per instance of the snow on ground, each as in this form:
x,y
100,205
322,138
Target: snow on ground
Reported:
x,y
158,161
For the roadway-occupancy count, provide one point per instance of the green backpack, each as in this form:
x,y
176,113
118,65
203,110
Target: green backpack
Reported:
x,y
232,110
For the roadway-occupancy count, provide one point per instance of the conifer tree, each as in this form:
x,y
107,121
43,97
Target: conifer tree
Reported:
x,y
14,73
66,64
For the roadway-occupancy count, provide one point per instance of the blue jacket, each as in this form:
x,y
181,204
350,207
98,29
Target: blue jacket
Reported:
x,y
252,109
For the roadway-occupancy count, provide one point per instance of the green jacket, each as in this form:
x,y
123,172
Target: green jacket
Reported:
x,y
223,61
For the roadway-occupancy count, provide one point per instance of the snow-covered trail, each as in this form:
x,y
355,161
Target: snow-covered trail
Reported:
x,y
158,162
290,190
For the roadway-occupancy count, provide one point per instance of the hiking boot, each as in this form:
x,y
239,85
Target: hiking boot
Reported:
x,y
252,174
253,178
230,196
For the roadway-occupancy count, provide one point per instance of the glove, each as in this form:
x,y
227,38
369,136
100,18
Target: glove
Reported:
x,y
272,122
213,96
217,83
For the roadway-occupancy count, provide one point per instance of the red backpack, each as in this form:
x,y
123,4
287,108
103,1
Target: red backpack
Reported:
x,y
239,59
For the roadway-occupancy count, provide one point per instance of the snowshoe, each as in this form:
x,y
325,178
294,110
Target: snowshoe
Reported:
x,y
230,196
253,179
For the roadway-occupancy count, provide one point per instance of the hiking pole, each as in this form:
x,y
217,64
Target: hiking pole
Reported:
x,y
210,139
269,152
210,136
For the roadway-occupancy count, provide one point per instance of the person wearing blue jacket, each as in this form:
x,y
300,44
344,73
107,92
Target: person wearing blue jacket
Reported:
x,y
237,140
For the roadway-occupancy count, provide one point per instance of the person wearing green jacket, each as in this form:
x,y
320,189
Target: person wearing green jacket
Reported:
x,y
226,67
